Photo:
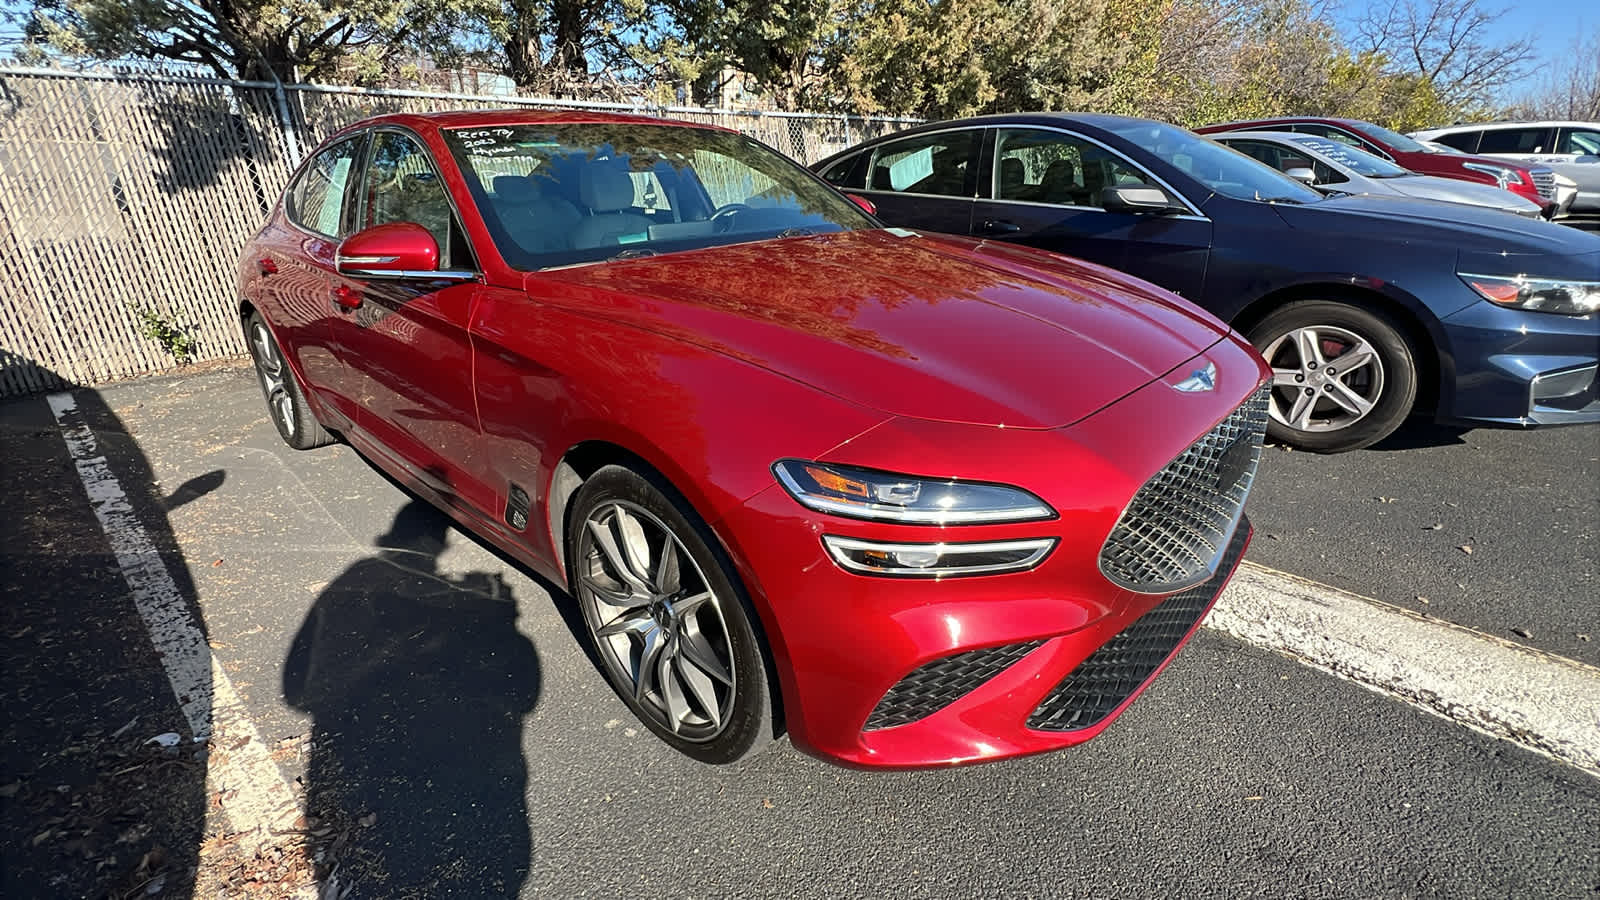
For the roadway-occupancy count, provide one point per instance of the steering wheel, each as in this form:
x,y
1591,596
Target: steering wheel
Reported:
x,y
722,219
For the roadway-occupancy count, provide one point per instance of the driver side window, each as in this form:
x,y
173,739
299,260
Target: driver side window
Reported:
x,y
403,185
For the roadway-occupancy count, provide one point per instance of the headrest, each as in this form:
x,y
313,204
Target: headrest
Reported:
x,y
1012,171
516,188
603,188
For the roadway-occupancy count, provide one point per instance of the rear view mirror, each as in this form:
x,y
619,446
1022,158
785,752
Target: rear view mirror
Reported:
x,y
1136,198
1303,175
394,250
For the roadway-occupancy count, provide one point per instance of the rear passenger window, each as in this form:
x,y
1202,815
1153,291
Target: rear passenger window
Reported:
x,y
1465,141
1515,140
316,201
838,174
943,164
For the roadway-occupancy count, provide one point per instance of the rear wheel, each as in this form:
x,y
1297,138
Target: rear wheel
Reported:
x,y
286,402
667,617
1343,376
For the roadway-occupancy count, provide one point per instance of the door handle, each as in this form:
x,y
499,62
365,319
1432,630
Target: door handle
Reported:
x,y
999,226
346,297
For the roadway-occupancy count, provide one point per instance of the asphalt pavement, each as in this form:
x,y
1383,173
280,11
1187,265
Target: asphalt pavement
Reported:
x,y
432,706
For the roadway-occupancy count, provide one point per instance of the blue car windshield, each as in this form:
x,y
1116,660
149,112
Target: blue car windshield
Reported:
x,y
565,193
1227,172
1357,161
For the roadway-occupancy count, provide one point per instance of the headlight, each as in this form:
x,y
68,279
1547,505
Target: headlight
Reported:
x,y
937,560
1503,176
1571,298
869,494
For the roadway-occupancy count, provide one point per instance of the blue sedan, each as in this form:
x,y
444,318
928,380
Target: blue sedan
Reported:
x,y
1369,308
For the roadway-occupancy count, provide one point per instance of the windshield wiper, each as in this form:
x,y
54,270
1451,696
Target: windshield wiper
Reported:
x,y
636,253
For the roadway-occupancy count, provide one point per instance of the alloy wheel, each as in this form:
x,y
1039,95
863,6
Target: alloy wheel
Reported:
x,y
656,621
274,375
1324,378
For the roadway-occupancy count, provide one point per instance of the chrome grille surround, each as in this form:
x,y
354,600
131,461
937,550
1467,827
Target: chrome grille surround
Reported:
x,y
1544,181
1173,532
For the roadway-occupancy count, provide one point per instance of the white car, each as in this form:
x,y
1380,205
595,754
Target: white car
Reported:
x,y
1330,165
1572,149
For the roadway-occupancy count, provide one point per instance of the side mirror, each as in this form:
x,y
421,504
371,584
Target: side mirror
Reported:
x,y
1303,175
394,250
867,205
1137,199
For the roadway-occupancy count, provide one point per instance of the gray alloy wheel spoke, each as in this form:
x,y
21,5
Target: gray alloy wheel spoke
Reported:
x,y
610,596
693,647
1348,399
269,363
1299,416
670,682
1306,341
1362,354
625,624
1287,377
687,605
667,577
635,547
705,693
644,679
609,546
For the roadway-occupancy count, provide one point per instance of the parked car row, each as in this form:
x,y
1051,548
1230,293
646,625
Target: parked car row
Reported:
x,y
1369,307
1572,149
913,498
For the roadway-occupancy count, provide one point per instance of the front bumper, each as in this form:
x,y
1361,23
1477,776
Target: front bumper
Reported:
x,y
1515,367
891,672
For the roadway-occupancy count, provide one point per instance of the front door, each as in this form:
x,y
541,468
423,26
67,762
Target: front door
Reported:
x,y
410,334
1045,191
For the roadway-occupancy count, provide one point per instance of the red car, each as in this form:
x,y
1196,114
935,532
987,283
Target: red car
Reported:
x,y
1537,183
916,500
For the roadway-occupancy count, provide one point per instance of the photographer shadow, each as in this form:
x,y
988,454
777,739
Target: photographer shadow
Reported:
x,y
418,683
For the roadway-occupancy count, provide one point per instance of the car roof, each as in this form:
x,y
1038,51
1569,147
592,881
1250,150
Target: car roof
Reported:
x,y
475,118
1478,126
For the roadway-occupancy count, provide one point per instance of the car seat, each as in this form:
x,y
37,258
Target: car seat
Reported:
x,y
534,221
608,193
1012,176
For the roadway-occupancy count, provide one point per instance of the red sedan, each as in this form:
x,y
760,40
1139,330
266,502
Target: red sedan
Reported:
x,y
915,500
1533,183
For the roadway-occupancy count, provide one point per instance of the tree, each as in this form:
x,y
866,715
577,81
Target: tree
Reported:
x,y
286,40
1447,47
1572,89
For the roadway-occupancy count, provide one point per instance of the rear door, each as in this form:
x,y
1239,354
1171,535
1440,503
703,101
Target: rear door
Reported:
x,y
408,336
1045,188
926,181
297,263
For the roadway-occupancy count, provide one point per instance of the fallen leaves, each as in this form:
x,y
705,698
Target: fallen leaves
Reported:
x,y
1465,548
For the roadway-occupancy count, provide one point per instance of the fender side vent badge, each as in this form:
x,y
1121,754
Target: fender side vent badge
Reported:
x,y
517,508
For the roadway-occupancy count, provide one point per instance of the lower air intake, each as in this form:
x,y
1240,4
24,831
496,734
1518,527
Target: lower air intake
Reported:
x,y
1111,674
935,685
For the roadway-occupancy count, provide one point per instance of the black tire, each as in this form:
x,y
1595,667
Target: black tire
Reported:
x,y
724,625
1335,419
286,402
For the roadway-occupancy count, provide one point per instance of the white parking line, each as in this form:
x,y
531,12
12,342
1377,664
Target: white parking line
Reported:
x,y
1544,702
239,772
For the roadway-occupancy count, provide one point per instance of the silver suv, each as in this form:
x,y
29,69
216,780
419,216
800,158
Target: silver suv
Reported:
x,y
1570,148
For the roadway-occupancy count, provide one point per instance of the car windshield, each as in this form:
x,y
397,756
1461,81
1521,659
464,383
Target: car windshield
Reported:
x,y
1394,139
1225,171
559,194
1357,161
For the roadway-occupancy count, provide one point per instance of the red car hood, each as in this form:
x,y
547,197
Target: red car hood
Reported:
x,y
913,325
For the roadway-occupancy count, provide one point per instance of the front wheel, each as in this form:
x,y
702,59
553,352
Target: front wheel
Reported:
x,y
1343,376
666,616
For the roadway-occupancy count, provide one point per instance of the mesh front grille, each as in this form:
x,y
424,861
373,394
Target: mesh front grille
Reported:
x,y
1544,181
1176,527
1109,675
937,684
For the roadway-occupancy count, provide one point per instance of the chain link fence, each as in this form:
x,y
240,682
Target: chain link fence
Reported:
x,y
125,199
